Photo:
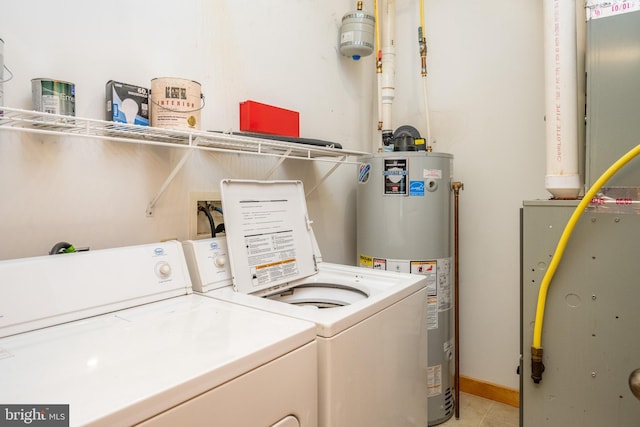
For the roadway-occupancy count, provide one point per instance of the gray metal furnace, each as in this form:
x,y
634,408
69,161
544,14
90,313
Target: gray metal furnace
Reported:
x,y
613,92
590,333
590,325
590,328
404,223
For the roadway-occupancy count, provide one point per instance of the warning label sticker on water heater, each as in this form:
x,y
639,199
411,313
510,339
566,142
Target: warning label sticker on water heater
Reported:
x,y
395,174
434,380
437,273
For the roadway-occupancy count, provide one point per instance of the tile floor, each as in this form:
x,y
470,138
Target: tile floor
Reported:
x,y
480,412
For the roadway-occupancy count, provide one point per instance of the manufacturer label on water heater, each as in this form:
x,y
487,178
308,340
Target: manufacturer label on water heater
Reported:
x,y
396,174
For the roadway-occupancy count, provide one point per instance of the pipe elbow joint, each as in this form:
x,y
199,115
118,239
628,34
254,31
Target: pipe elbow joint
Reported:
x,y
537,367
387,137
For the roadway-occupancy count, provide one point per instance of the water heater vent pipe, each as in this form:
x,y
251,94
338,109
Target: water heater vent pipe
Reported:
x,y
561,99
388,49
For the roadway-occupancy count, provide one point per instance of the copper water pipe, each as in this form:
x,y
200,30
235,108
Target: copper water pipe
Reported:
x,y
457,186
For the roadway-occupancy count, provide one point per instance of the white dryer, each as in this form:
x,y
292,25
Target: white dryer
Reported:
x,y
370,325
117,338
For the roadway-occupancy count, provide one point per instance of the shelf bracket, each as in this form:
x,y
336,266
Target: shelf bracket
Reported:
x,y
172,175
326,175
278,163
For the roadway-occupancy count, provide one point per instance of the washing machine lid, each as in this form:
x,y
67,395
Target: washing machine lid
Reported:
x,y
269,235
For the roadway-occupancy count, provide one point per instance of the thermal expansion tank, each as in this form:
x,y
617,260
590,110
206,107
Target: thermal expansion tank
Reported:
x,y
404,224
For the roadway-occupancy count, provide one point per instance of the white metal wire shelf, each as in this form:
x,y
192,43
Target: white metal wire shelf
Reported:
x,y
14,119
54,124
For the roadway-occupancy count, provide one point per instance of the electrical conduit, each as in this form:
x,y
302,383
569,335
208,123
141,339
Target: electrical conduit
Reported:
x,y
536,349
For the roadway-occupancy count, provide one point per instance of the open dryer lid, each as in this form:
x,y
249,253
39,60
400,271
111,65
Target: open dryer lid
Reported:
x,y
269,236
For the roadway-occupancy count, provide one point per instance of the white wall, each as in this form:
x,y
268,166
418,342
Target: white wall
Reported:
x,y
486,96
95,193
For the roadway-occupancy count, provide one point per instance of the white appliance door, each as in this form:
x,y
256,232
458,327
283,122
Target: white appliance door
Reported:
x,y
268,394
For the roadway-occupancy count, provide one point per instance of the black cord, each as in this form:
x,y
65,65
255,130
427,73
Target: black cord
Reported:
x,y
210,218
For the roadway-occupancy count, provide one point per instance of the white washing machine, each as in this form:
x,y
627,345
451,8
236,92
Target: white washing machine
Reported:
x,y
370,325
117,338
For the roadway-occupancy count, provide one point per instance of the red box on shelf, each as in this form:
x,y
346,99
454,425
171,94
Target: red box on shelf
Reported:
x,y
263,118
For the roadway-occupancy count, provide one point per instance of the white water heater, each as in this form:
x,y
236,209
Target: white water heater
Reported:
x,y
404,223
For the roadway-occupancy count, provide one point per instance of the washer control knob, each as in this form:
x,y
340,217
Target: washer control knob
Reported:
x,y
163,269
220,261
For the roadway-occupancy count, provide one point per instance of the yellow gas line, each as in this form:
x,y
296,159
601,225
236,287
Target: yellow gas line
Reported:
x,y
536,349
422,17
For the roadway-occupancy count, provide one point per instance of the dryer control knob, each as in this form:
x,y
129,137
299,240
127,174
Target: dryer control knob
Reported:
x,y
220,261
163,269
